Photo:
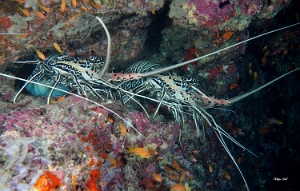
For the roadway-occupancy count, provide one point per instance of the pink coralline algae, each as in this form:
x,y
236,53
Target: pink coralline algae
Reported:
x,y
250,7
213,12
75,137
221,14
141,121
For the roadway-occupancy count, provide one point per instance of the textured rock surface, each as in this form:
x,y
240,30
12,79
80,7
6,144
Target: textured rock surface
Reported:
x,y
82,144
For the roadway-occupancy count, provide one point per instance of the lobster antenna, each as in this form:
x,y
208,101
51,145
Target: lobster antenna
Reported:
x,y
27,62
240,97
11,33
154,72
70,93
108,52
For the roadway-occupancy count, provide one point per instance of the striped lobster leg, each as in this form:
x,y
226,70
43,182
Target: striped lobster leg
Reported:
x,y
45,74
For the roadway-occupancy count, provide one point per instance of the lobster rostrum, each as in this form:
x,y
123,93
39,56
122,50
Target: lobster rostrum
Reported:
x,y
88,77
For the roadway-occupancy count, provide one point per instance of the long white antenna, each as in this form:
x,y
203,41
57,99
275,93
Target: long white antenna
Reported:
x,y
108,52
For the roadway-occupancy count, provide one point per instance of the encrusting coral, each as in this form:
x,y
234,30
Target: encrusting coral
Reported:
x,y
73,144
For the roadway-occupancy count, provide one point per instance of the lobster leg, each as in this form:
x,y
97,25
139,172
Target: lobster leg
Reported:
x,y
162,98
52,89
93,90
140,105
27,82
130,96
219,133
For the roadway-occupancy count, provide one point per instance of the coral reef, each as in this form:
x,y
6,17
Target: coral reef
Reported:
x,y
37,24
222,15
77,144
73,144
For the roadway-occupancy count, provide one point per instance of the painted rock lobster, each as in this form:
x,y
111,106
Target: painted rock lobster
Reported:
x,y
61,74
